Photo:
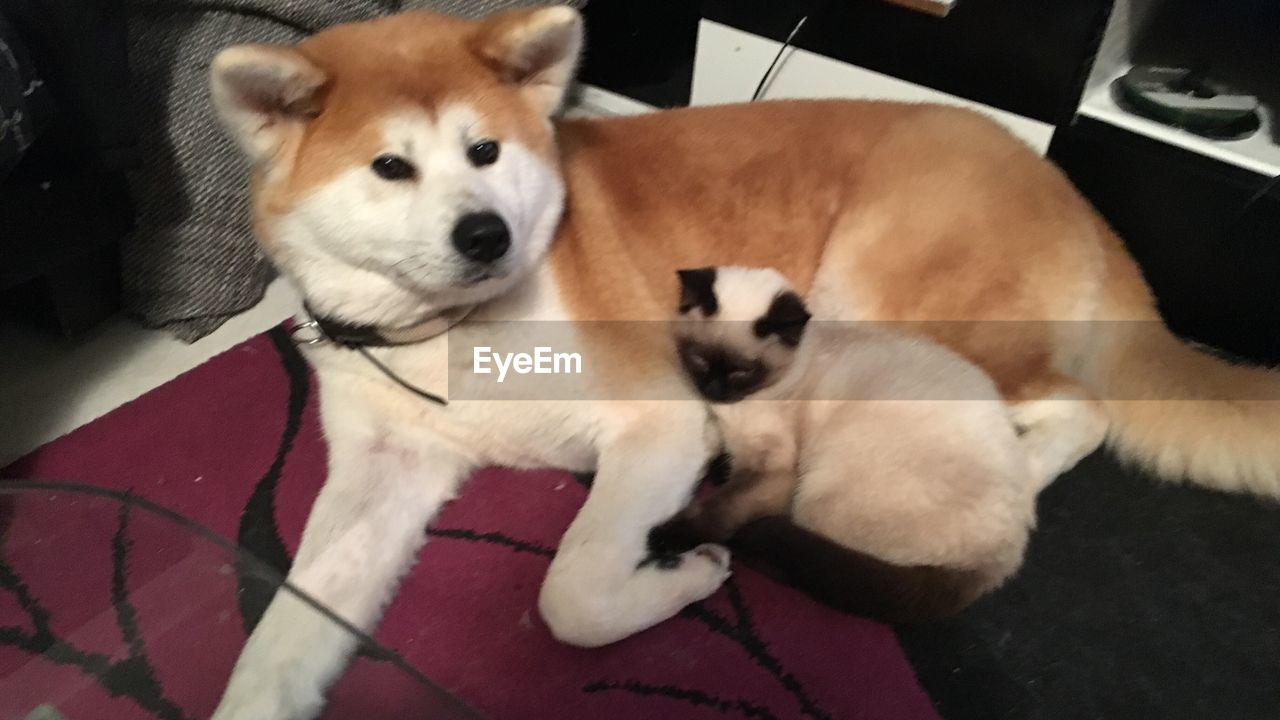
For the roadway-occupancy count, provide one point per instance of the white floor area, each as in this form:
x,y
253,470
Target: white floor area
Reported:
x,y
49,387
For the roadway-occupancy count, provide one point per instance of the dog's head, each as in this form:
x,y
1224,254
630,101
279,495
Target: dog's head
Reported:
x,y
404,165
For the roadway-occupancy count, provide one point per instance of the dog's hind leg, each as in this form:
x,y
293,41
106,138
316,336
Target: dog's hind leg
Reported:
x,y
363,533
602,585
1058,424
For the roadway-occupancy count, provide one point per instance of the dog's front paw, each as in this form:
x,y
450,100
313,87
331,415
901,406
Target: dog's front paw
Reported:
x,y
678,580
243,703
702,571
271,692
716,554
591,615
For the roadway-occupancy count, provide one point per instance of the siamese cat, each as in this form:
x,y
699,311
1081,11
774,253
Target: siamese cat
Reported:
x,y
879,472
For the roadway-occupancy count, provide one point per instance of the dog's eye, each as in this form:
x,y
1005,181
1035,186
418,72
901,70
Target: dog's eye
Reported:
x,y
483,153
393,167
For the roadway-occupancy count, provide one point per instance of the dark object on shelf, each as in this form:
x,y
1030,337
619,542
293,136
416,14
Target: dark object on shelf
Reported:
x,y
1189,100
1236,40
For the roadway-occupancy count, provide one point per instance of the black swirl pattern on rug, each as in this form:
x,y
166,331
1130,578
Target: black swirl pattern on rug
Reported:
x,y
741,630
258,532
693,697
492,538
133,676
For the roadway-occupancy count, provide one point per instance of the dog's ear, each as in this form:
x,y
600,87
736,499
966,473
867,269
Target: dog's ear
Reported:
x,y
261,91
536,49
698,290
786,318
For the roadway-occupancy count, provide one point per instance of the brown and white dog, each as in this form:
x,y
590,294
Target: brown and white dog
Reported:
x,y
406,167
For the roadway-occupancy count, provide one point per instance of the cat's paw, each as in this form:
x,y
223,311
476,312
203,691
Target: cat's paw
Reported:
x,y
716,554
669,541
686,578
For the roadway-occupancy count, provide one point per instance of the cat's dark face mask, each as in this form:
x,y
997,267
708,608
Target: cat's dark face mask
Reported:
x,y
719,374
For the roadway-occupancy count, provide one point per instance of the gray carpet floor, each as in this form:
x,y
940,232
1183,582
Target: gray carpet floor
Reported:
x,y
1139,599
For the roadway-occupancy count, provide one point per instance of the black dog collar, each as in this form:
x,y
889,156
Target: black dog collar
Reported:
x,y
318,330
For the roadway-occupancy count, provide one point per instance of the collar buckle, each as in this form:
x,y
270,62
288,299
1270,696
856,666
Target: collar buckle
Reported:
x,y
308,333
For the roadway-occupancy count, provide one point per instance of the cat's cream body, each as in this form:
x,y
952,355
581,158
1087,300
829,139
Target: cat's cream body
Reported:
x,y
887,444
891,445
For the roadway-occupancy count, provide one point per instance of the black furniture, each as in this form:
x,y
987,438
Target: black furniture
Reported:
x,y
1201,216
1204,232
65,205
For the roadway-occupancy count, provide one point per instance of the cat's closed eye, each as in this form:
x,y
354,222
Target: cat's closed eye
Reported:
x,y
740,374
696,362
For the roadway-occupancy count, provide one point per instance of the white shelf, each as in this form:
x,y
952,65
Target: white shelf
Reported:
x,y
729,63
592,101
1256,152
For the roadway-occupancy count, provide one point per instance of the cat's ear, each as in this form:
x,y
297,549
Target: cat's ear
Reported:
x,y
535,49
786,318
698,290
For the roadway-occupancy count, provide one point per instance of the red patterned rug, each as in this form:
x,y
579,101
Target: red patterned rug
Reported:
x,y
236,445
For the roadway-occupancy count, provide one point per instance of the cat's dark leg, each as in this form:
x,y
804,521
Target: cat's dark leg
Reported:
x,y
746,496
854,581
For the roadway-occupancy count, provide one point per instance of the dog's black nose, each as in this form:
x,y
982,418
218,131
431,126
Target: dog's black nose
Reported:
x,y
481,236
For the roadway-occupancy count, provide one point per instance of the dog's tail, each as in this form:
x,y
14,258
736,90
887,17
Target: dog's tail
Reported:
x,y
1180,412
853,581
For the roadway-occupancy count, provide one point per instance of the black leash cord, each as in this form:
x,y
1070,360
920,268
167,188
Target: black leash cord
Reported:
x,y
397,379
785,44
